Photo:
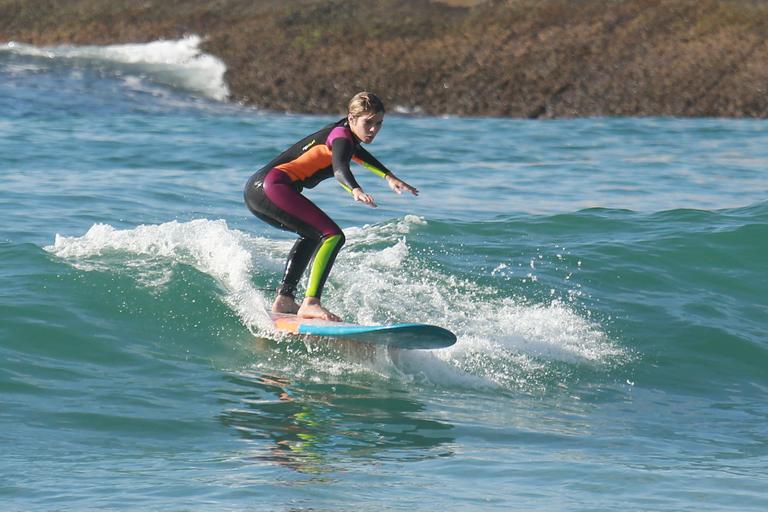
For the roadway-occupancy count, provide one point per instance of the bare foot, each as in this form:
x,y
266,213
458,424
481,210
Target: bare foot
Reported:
x,y
311,308
285,304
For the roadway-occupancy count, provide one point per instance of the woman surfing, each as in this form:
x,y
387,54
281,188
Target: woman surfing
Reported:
x,y
274,194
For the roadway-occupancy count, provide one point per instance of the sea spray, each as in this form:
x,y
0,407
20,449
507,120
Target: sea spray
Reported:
x,y
209,246
377,280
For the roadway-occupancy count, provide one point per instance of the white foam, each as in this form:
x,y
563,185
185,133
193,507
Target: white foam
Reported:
x,y
502,342
209,246
178,63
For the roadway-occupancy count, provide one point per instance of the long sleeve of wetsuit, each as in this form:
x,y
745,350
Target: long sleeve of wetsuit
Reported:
x,y
368,161
342,150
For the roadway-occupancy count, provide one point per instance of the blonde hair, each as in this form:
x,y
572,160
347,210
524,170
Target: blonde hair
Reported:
x,y
365,103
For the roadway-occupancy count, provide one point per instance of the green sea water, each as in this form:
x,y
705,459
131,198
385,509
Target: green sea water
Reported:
x,y
606,279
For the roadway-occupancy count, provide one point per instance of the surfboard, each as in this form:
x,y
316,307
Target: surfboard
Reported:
x,y
401,335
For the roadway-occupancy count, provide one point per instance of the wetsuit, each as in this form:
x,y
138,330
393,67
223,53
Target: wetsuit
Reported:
x,y
274,195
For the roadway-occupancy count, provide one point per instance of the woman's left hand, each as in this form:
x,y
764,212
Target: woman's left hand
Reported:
x,y
362,197
399,186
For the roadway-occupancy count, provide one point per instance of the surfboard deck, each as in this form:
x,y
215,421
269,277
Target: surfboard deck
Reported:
x,y
401,335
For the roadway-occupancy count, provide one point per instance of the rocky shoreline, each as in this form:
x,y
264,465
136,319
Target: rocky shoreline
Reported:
x,y
518,58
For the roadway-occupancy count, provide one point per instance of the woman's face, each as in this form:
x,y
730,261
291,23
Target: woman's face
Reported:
x,y
366,126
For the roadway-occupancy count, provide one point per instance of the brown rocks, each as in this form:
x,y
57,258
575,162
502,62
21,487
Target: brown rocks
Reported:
x,y
522,58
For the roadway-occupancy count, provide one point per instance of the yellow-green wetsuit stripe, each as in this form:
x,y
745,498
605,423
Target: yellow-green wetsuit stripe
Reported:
x,y
322,263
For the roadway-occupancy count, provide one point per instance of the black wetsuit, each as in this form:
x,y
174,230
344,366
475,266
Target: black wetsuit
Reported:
x,y
274,195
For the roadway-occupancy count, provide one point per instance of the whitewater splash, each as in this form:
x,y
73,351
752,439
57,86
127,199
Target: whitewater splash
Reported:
x,y
209,246
176,63
502,342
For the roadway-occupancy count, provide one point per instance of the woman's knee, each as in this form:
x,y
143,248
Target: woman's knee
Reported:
x,y
338,237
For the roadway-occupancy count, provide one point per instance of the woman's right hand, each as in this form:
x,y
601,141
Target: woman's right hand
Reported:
x,y
362,197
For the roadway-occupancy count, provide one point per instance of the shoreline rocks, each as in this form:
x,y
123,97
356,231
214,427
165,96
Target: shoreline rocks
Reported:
x,y
517,58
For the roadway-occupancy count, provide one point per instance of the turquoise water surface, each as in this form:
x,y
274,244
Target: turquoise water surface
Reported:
x,y
606,279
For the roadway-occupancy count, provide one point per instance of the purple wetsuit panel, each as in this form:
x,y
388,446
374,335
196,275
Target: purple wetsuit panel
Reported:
x,y
279,188
337,132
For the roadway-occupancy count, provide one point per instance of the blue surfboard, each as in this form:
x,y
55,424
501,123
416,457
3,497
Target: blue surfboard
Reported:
x,y
403,335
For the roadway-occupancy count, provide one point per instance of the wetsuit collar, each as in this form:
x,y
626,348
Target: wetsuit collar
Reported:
x,y
345,124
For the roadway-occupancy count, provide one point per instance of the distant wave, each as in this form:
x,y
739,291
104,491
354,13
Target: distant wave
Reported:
x,y
175,63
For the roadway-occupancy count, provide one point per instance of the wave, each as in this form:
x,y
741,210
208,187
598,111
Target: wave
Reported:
x,y
178,63
503,342
617,287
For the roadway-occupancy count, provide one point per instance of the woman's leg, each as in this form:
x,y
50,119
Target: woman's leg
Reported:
x,y
319,238
297,262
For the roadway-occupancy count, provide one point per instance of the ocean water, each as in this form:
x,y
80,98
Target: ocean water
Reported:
x,y
606,279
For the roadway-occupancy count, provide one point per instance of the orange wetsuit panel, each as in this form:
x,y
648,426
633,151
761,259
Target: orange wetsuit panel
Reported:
x,y
308,163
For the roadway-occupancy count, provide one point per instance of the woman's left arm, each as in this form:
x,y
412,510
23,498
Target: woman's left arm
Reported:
x,y
399,186
370,162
